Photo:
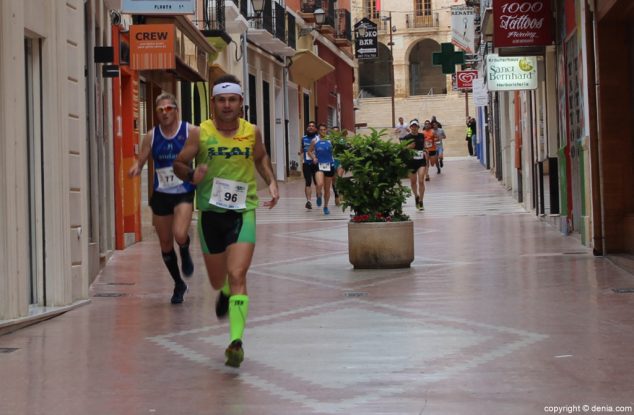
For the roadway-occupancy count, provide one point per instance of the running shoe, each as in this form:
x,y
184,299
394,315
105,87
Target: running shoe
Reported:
x,y
421,207
326,211
179,292
234,354
318,201
187,266
309,205
222,305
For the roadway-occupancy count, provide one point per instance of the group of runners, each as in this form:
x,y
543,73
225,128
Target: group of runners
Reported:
x,y
228,150
427,142
320,167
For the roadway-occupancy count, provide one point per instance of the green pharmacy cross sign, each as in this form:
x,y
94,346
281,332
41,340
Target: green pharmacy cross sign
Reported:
x,y
448,58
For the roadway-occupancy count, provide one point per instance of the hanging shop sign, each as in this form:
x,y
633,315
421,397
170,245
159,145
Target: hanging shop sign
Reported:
x,y
170,7
464,79
366,46
480,93
522,23
511,73
152,47
463,28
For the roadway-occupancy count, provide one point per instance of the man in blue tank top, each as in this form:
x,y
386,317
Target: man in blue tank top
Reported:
x,y
172,198
321,154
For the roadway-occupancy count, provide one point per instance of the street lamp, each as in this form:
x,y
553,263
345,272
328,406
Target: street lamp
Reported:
x,y
320,16
258,7
388,18
320,19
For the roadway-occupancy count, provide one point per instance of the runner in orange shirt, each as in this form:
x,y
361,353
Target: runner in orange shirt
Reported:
x,y
430,147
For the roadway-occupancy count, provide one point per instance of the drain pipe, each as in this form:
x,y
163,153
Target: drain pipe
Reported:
x,y
245,76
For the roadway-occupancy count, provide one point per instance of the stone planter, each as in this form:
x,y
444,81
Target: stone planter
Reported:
x,y
375,245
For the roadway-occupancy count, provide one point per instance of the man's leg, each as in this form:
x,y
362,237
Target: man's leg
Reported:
x,y
182,221
327,185
307,171
163,226
319,185
420,176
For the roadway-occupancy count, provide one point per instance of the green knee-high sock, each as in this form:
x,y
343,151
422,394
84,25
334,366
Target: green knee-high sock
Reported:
x,y
226,290
238,313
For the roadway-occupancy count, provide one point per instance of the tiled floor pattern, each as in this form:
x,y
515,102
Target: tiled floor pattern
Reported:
x,y
498,314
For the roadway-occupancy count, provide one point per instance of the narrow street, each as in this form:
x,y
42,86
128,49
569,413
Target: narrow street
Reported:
x,y
499,314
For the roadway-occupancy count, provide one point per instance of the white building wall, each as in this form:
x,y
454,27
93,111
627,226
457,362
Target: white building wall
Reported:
x,y
60,26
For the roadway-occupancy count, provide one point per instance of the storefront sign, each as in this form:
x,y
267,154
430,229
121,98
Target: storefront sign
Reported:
x,y
463,28
511,73
522,23
152,47
464,79
158,6
366,46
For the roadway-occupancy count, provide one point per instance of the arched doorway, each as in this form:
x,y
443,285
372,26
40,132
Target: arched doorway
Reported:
x,y
425,78
375,75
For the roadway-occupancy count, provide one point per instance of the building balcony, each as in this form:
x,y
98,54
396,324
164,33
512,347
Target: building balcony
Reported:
x,y
343,27
221,18
412,21
486,19
268,30
308,8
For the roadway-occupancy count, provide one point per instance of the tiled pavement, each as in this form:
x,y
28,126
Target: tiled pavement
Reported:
x,y
499,314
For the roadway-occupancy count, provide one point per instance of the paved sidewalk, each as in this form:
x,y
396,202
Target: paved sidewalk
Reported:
x,y
499,314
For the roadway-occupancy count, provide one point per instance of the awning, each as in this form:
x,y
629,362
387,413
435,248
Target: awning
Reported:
x,y
306,68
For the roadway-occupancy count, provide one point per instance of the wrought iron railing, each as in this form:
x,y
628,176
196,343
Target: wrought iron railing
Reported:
x,y
343,28
330,12
280,22
309,6
412,21
291,31
213,16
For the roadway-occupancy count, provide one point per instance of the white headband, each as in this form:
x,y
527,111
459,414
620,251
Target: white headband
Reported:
x,y
227,88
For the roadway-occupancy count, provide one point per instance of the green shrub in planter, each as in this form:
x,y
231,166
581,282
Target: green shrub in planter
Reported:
x,y
372,186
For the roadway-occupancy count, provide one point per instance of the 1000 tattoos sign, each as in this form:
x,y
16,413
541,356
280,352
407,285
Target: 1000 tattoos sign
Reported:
x,y
508,73
522,23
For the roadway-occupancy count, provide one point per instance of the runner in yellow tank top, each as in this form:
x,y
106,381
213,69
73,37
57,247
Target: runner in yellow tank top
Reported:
x,y
228,152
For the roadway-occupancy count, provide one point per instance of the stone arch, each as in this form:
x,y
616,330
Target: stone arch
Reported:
x,y
375,74
424,77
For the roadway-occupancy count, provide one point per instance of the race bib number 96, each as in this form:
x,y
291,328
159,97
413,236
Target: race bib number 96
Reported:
x,y
229,194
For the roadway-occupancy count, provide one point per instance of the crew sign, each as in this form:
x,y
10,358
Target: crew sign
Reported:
x,y
366,46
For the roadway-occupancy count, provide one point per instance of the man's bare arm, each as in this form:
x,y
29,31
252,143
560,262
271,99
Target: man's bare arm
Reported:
x,y
144,154
265,169
184,159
